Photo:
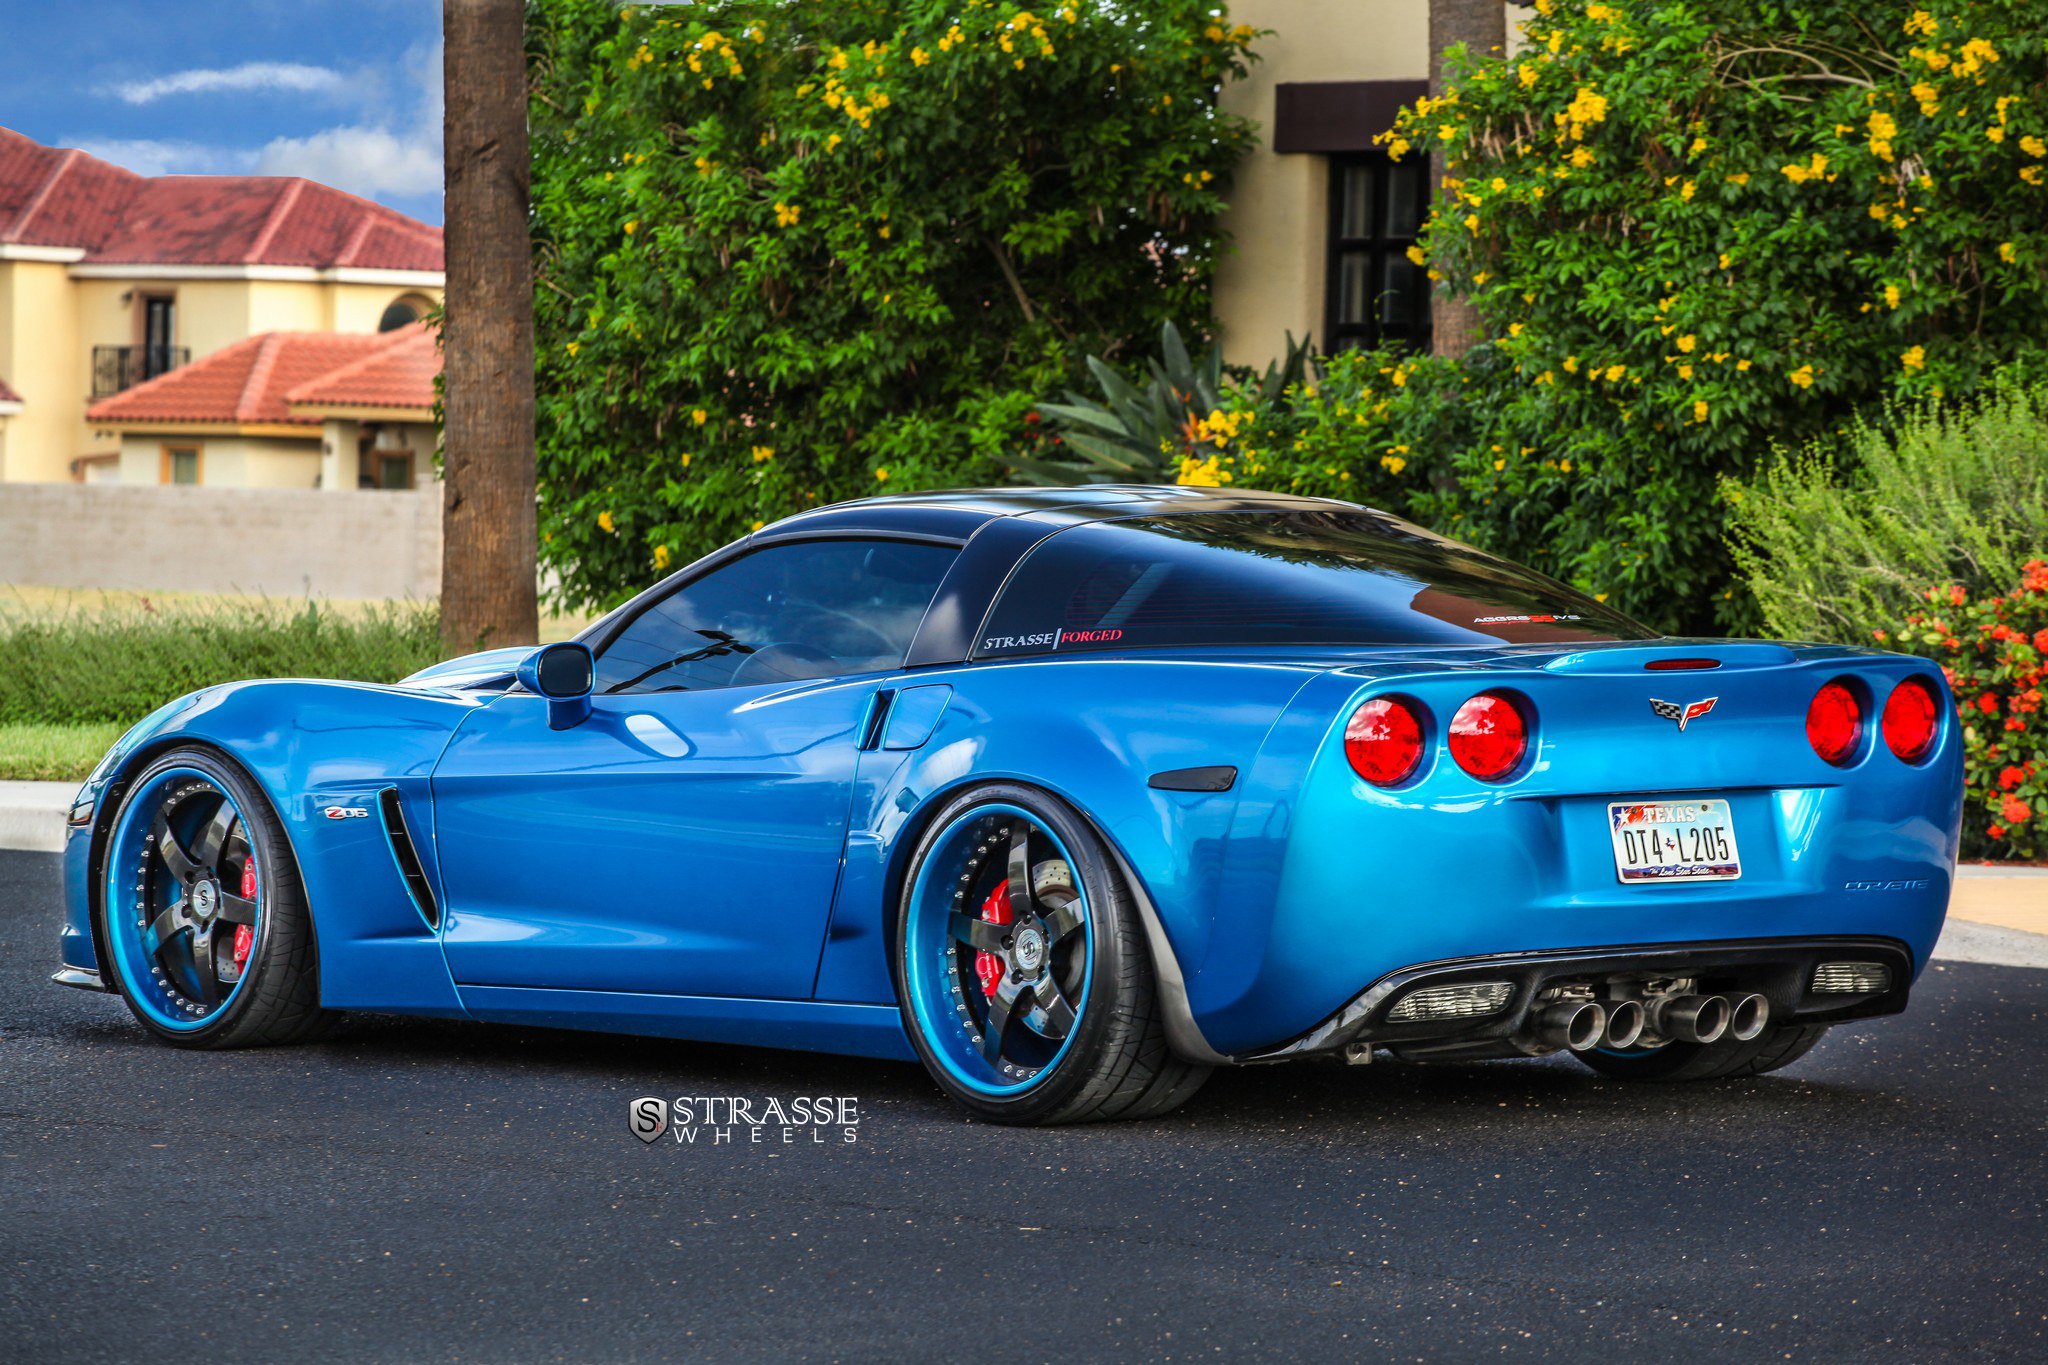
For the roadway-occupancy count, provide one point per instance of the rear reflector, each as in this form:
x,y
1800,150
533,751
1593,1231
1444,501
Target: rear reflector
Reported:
x,y
1676,665
1467,1001
1851,978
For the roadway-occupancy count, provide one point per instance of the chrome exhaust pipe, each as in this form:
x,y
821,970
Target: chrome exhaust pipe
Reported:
x,y
1747,1017
1625,1024
1576,1024
1691,1018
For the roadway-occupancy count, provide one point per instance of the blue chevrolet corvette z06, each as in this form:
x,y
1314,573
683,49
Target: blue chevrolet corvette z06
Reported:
x,y
1070,794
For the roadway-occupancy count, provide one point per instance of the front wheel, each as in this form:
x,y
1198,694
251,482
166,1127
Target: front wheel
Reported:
x,y
1022,972
1721,1060
202,912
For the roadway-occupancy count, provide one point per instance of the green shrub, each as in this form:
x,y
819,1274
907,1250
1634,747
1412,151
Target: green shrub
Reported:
x,y
119,664
1695,230
806,250
1848,532
1991,646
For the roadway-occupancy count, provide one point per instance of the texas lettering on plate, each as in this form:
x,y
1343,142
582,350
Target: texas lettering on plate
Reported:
x,y
1673,841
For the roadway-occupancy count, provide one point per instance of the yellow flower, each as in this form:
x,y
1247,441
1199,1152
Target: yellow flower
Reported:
x,y
2033,146
1514,329
1615,372
1687,343
787,214
1726,259
759,524
1882,130
686,459
1891,296
1929,98
1582,157
1995,133
2031,174
1742,364
1739,178
1803,376
1814,169
661,556
1415,255
1398,148
918,56
1974,56
1922,23
1914,359
1685,191
763,453
1527,73
1571,364
2005,251
1685,371
604,522
1588,106
832,142
1393,464
572,348
1699,410
632,226
882,475
1471,222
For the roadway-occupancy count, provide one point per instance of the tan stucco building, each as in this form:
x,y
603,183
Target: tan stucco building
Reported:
x,y
109,279
1321,220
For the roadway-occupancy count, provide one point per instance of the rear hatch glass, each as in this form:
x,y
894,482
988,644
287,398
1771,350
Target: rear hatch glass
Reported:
x,y
1279,578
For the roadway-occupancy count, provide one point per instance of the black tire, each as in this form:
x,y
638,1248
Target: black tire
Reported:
x,y
1119,1065
1723,1060
279,998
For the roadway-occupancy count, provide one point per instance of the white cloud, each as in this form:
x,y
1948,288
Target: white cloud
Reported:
x,y
153,156
366,161
260,77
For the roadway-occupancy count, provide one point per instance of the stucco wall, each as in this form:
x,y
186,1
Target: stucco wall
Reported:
x,y
44,359
285,542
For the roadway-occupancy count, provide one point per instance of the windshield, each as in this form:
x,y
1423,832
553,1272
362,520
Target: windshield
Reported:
x,y
1256,578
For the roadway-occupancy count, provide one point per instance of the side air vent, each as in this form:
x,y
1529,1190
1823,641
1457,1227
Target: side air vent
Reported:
x,y
407,857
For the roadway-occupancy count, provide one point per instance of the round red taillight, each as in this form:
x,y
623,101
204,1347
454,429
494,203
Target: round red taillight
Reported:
x,y
1384,741
1912,718
1834,723
1488,737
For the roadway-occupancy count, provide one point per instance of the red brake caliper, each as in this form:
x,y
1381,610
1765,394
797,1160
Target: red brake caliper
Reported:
x,y
995,910
245,935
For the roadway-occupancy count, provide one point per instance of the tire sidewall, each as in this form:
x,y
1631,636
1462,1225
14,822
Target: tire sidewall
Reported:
x,y
279,871
1103,894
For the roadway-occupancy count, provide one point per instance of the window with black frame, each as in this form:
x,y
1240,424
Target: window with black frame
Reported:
x,y
1376,292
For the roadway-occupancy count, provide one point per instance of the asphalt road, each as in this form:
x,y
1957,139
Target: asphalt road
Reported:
x,y
416,1191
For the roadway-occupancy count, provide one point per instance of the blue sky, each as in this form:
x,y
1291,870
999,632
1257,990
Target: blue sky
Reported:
x,y
343,91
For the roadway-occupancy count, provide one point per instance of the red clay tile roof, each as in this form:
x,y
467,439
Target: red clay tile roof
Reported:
x,y
247,382
52,196
400,375
7,394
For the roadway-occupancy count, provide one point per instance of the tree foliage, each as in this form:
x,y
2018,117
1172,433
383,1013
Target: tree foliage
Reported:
x,y
799,251
1698,229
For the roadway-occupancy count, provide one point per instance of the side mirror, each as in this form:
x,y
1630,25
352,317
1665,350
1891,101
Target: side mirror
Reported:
x,y
564,674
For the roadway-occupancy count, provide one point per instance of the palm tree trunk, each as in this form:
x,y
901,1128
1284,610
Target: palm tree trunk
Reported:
x,y
1482,26
488,594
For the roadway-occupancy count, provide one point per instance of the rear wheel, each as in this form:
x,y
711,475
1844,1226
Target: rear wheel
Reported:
x,y
1767,1052
205,921
1022,971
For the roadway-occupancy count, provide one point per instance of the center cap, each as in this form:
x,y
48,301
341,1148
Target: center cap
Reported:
x,y
1029,949
205,900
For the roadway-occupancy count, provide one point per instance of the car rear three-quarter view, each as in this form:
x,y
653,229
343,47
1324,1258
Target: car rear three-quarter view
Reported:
x,y
1072,795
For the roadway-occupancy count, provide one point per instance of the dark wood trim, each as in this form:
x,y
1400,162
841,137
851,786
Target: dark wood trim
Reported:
x,y
1338,116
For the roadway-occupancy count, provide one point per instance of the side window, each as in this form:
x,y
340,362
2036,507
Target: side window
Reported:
x,y
813,609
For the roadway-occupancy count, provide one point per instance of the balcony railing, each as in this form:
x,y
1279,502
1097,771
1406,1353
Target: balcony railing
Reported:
x,y
115,368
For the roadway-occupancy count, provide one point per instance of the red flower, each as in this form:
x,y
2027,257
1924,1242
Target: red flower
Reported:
x,y
2011,778
1996,831
2041,641
1988,704
2015,810
1957,596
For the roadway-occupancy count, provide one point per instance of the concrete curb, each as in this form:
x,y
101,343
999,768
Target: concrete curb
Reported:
x,y
32,815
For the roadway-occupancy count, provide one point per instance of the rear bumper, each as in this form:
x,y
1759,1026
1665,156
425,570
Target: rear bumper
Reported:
x,y
1781,970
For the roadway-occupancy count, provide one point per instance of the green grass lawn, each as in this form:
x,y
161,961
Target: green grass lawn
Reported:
x,y
53,753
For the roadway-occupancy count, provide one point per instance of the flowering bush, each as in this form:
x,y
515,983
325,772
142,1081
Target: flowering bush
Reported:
x,y
1994,652
1694,230
794,251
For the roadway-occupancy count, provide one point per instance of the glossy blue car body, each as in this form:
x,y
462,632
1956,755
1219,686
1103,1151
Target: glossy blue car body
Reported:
x,y
724,865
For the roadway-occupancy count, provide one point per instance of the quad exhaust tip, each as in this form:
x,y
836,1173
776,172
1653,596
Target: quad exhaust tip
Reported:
x,y
1693,1018
1575,1024
1625,1024
1747,1017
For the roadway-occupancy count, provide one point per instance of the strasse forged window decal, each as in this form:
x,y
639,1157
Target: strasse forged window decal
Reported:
x,y
1248,578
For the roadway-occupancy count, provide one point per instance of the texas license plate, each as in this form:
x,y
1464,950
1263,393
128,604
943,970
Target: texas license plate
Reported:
x,y
1673,841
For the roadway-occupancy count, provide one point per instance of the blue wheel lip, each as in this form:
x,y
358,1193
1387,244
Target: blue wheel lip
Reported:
x,y
124,938
926,991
